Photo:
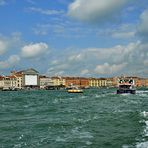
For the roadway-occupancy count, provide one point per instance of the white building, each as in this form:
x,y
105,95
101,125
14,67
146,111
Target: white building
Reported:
x,y
30,78
8,82
45,82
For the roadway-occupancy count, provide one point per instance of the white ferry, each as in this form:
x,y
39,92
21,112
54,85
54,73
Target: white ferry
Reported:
x,y
126,85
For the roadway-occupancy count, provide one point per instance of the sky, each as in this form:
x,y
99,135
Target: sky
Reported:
x,y
90,38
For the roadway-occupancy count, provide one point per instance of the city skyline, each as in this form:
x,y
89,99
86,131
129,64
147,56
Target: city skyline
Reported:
x,y
75,37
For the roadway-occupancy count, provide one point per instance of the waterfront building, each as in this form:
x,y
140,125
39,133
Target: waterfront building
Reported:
x,y
58,81
98,82
13,81
1,82
93,82
115,81
109,82
7,82
77,81
30,78
45,82
26,78
19,77
146,82
4,82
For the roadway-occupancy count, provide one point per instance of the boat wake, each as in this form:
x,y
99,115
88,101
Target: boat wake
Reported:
x,y
144,143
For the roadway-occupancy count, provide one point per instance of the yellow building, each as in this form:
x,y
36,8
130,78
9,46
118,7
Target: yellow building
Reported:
x,y
19,77
98,82
146,82
58,81
45,82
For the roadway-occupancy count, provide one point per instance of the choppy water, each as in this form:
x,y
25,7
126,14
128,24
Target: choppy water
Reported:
x,y
55,119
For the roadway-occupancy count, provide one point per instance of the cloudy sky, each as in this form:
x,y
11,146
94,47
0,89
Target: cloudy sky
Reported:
x,y
99,38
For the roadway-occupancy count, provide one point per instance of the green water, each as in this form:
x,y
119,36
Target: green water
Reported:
x,y
97,118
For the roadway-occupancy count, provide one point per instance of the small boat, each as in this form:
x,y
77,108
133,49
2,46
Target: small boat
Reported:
x,y
74,90
126,86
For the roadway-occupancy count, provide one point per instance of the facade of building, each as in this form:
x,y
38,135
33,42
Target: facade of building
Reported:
x,y
45,82
19,77
7,82
58,81
98,82
13,81
26,78
30,78
109,82
146,82
77,81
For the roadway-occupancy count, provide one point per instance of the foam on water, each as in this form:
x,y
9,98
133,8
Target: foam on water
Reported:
x,y
127,146
59,139
100,95
81,134
126,94
141,91
144,114
142,145
146,129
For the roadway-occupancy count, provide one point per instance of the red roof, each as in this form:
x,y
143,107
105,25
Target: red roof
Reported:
x,y
1,77
12,76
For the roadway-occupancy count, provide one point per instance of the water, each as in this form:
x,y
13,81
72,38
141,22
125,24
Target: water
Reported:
x,y
55,119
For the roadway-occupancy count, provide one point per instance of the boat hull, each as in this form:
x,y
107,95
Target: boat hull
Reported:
x,y
127,91
75,91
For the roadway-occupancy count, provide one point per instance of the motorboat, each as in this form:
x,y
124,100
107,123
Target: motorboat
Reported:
x,y
126,85
74,90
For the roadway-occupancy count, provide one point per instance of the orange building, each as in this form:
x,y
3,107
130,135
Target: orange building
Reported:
x,y
146,82
19,77
78,81
140,82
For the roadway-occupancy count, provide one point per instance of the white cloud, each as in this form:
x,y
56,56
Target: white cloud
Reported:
x,y
7,43
46,12
122,31
34,50
77,57
11,61
95,10
3,46
128,59
109,69
143,26
123,34
84,72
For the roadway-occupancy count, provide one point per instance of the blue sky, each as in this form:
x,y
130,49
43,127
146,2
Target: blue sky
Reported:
x,y
100,38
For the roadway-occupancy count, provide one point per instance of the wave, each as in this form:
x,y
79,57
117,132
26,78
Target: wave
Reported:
x,y
144,114
142,91
142,145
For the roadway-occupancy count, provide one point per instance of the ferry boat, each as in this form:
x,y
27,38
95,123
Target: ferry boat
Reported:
x,y
126,85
